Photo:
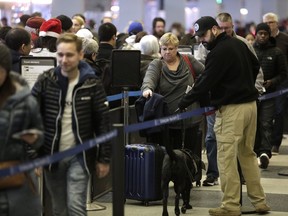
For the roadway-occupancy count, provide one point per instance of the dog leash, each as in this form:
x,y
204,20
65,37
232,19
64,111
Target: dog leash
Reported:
x,y
187,153
194,163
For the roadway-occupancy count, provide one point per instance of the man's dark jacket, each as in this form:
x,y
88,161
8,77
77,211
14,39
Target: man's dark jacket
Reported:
x,y
230,74
273,63
89,111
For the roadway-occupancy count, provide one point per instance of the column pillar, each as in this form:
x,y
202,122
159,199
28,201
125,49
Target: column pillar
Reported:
x,y
130,10
67,7
174,12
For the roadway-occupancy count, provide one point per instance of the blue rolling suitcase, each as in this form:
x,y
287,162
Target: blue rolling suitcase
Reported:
x,y
143,167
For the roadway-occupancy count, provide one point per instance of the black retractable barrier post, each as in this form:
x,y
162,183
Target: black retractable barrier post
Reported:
x,y
118,164
126,113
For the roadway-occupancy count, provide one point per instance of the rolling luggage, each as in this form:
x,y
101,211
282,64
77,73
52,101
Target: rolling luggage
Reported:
x,y
143,165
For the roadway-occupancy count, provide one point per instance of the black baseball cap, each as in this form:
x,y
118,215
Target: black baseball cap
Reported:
x,y
203,24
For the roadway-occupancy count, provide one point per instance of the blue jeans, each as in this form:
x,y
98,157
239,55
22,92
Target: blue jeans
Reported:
x,y
211,148
67,186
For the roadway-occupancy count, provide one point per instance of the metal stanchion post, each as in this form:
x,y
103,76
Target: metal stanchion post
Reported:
x,y
126,113
41,185
118,179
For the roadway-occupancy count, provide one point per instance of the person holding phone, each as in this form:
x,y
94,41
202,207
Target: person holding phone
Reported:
x,y
19,112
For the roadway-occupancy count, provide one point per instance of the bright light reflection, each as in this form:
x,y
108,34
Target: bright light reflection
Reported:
x,y
115,8
243,11
29,1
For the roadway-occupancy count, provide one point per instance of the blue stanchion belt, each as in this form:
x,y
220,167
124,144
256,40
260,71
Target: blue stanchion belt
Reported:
x,y
121,95
273,94
167,120
59,155
108,136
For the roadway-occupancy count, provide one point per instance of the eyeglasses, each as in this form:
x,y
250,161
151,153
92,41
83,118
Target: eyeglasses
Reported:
x,y
270,22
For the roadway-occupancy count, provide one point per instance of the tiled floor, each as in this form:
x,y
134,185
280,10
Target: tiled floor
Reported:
x,y
203,198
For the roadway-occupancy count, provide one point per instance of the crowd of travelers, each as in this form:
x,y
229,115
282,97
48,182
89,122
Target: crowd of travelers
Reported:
x,y
68,105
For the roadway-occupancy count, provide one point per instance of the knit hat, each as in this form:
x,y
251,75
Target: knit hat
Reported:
x,y
51,27
5,57
204,24
84,33
134,28
33,25
66,22
263,26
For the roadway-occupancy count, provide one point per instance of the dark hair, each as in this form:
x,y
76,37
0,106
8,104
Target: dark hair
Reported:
x,y
188,39
106,31
157,19
7,87
46,42
3,32
36,13
15,37
65,21
24,18
121,39
139,35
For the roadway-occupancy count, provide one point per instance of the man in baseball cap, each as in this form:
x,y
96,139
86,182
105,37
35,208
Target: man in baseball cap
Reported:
x,y
203,24
229,77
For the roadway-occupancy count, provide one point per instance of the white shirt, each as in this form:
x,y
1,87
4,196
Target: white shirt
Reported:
x,y
67,139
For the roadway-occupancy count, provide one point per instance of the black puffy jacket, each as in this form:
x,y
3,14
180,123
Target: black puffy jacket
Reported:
x,y
90,111
272,61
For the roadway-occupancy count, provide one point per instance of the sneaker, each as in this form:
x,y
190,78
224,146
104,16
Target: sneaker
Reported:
x,y
262,208
210,181
275,150
264,161
223,212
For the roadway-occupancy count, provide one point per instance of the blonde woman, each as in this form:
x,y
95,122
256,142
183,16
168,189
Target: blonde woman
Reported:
x,y
170,76
78,23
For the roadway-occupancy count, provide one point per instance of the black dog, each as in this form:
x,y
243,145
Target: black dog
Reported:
x,y
182,167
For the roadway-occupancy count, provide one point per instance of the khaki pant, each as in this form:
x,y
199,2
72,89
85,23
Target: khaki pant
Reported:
x,y
235,130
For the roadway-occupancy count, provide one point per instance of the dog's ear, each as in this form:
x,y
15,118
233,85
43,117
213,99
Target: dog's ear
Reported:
x,y
203,165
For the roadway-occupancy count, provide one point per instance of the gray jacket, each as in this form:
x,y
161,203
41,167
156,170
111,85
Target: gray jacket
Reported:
x,y
172,85
20,112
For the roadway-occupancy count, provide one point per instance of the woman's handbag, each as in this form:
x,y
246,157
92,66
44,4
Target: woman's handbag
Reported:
x,y
12,181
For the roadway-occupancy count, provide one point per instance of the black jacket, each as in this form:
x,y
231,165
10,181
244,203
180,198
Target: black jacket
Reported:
x,y
90,111
15,60
273,63
149,109
105,51
230,74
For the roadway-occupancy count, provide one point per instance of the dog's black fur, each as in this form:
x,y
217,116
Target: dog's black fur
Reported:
x,y
182,167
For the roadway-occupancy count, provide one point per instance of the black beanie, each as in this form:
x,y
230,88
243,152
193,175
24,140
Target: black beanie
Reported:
x,y
263,26
5,57
66,22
